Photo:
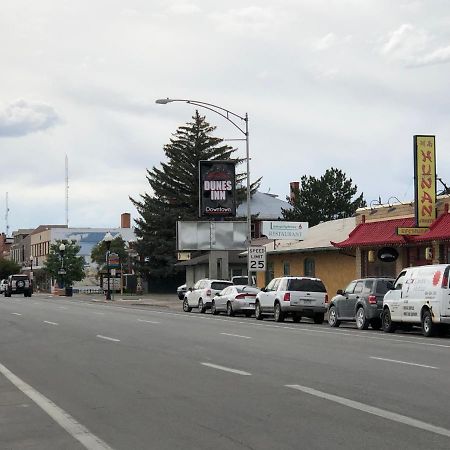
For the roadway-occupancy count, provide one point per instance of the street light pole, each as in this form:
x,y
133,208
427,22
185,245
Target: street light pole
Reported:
x,y
108,238
62,249
228,115
31,273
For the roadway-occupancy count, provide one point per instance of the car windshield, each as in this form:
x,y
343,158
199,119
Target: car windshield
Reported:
x,y
248,289
305,284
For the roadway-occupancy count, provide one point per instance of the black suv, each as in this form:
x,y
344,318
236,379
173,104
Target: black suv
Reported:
x,y
361,301
18,284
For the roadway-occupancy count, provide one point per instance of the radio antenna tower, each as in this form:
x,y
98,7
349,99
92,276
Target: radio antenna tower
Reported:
x,y
67,191
7,216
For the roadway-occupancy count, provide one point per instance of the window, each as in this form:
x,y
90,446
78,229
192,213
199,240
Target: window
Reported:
x,y
359,287
271,285
218,286
368,286
306,285
276,284
286,269
400,280
383,286
349,289
309,267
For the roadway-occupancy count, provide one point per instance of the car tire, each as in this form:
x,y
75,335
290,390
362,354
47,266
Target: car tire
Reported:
x,y
296,318
428,327
201,307
186,307
333,321
278,314
388,325
230,312
258,312
361,320
214,311
375,324
319,318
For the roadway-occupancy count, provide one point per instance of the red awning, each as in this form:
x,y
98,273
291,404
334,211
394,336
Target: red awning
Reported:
x,y
439,230
372,234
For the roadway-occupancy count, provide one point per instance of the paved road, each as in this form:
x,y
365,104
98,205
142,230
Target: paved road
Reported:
x,y
76,375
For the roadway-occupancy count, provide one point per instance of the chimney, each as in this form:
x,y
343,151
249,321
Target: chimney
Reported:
x,y
294,187
125,220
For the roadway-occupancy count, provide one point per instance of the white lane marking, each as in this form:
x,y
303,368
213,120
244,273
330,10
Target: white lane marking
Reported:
x,y
147,321
16,314
50,323
61,417
403,362
99,313
107,338
62,307
226,369
236,335
373,410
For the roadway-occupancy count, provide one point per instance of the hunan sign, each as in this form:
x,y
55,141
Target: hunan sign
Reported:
x,y
217,188
425,179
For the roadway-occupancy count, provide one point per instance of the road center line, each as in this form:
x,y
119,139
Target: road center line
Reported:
x,y
225,369
236,335
50,323
61,417
403,362
16,314
373,410
107,338
147,321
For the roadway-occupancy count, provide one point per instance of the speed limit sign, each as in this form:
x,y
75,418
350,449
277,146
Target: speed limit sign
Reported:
x,y
257,259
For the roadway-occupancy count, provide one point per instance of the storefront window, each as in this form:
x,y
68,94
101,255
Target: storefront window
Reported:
x,y
286,269
309,267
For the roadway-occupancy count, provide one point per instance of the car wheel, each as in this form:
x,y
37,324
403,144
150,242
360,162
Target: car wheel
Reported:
x,y
258,313
296,318
361,320
375,324
277,313
388,325
428,327
201,307
332,317
319,318
213,308
230,312
186,307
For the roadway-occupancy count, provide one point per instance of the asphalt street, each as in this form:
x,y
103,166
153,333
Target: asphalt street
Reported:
x,y
76,374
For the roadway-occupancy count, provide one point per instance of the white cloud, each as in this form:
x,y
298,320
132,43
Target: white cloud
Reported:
x,y
414,47
184,8
21,117
325,42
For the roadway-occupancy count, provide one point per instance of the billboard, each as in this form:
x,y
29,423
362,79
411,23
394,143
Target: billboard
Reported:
x,y
284,230
211,235
217,189
425,180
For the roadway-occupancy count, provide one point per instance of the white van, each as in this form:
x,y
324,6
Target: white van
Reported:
x,y
421,296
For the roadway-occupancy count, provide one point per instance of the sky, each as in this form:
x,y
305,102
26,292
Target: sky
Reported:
x,y
325,83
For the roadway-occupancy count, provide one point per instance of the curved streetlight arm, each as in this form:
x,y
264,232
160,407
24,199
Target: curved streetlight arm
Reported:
x,y
225,113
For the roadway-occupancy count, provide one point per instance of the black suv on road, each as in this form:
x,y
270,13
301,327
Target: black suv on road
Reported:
x,y
361,301
18,284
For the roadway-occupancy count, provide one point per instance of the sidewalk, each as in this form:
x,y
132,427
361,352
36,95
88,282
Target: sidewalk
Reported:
x,y
169,301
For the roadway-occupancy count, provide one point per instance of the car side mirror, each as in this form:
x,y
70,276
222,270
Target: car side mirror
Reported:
x,y
263,289
340,292
218,294
190,289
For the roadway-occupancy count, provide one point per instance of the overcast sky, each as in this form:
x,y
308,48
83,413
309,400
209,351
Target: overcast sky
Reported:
x,y
343,83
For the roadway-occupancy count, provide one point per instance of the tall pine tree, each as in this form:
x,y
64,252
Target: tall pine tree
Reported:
x,y
175,196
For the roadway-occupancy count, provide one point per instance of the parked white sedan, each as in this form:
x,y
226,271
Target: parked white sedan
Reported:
x,y
235,299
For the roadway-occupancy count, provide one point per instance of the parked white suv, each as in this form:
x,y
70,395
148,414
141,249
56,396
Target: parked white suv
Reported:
x,y
201,295
295,296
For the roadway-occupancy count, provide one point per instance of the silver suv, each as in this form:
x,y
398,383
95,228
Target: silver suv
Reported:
x,y
295,296
361,301
201,295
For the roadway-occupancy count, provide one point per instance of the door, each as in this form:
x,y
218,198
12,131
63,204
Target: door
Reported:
x,y
267,298
445,293
394,298
221,301
195,294
343,303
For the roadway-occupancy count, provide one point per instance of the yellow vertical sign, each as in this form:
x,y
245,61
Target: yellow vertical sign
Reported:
x,y
425,179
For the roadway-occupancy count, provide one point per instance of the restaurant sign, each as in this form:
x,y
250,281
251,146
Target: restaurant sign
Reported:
x,y
411,231
425,180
